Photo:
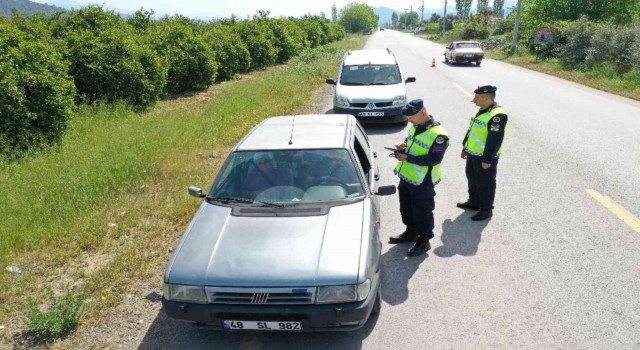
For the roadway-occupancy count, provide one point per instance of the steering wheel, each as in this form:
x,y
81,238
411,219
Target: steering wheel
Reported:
x,y
330,180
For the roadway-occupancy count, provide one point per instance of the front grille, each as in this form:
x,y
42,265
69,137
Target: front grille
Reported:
x,y
260,296
377,104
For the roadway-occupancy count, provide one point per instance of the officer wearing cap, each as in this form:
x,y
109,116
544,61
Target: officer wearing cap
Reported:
x,y
481,148
419,169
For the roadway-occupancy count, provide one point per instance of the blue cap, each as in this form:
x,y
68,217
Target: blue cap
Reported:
x,y
487,89
413,107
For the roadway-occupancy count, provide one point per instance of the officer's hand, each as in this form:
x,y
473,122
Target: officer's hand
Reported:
x,y
402,145
463,155
486,165
400,156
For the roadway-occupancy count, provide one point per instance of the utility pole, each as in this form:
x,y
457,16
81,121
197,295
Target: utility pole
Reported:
x,y
516,30
444,18
422,14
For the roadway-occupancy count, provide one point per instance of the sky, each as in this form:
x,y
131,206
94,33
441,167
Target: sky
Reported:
x,y
243,8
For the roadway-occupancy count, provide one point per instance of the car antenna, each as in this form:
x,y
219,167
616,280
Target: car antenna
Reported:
x,y
292,124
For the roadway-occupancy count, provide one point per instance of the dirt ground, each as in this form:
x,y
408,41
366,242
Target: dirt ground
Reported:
x,y
139,322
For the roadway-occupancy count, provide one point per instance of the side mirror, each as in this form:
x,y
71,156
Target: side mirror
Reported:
x,y
410,80
386,190
196,192
331,81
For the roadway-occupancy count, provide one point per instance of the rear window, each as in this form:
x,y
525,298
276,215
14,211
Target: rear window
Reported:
x,y
370,74
467,46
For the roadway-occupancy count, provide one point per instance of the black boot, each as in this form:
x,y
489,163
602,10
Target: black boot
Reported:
x,y
409,235
468,205
482,215
422,245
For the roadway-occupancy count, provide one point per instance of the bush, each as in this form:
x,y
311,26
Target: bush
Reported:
x,y
191,62
63,315
624,48
262,50
36,94
475,32
230,50
112,66
578,42
314,31
289,38
504,26
600,50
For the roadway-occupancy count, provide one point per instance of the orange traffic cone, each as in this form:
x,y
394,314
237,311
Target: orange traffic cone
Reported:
x,y
433,63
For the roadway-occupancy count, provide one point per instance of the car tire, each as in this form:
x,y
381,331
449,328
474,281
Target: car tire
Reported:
x,y
478,63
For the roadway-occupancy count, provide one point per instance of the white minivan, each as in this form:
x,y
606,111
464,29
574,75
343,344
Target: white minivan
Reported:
x,y
371,87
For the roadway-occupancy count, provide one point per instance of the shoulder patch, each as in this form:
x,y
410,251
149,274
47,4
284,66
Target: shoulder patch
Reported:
x,y
496,119
439,140
494,127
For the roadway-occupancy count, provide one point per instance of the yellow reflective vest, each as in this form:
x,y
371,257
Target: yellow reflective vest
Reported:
x,y
478,132
420,145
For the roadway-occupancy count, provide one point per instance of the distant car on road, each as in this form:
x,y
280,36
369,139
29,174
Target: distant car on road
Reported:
x,y
287,239
464,51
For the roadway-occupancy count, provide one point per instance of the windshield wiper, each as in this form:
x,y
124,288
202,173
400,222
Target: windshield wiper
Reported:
x,y
269,204
227,200
353,84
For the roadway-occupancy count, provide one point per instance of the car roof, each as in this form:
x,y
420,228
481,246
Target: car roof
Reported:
x,y
466,42
372,56
319,131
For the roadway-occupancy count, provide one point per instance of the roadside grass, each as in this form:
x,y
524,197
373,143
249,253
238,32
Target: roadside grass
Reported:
x,y
605,78
106,207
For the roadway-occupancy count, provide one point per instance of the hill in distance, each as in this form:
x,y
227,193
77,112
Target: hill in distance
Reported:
x,y
26,7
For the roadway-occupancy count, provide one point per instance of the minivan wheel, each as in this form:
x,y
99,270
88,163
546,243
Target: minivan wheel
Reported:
x,y
478,63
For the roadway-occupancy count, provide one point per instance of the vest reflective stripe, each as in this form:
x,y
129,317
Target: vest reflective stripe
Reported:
x,y
420,145
478,132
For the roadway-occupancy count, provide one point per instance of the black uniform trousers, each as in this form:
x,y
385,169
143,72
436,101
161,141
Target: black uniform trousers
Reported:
x,y
416,207
482,182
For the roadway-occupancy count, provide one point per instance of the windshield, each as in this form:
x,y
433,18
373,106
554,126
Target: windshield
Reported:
x,y
467,46
291,176
369,74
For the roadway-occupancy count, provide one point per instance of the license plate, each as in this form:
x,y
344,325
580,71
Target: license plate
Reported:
x,y
262,325
468,56
371,114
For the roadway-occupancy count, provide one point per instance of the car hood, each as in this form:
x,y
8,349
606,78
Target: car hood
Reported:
x,y
219,249
371,93
469,50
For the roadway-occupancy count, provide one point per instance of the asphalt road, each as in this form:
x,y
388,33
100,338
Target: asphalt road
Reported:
x,y
558,266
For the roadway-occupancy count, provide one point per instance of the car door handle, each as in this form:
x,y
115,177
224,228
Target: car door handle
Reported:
x,y
375,154
376,177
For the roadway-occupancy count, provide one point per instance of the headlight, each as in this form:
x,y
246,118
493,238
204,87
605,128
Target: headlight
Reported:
x,y
190,294
400,100
342,101
343,294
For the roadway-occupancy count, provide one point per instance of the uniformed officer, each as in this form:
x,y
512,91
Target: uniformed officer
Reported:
x,y
419,170
481,148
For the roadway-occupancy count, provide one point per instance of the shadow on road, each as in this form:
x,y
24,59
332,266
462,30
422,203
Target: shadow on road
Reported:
x,y
166,333
383,129
460,236
397,270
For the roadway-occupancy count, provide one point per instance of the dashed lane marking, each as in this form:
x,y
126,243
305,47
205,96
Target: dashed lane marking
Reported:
x,y
463,90
617,210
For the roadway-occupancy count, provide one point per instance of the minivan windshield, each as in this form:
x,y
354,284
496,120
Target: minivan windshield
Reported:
x,y
287,176
370,74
